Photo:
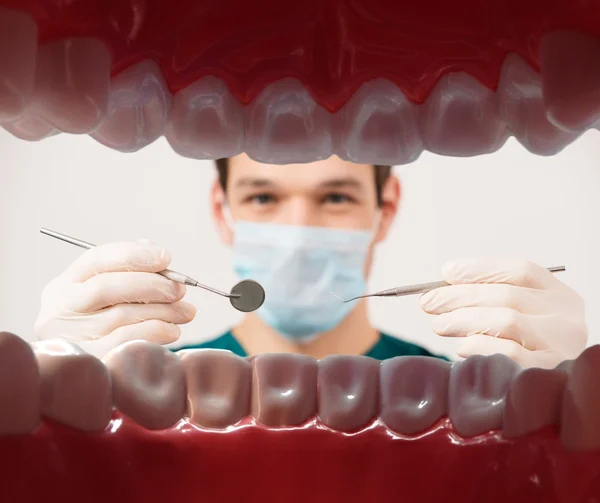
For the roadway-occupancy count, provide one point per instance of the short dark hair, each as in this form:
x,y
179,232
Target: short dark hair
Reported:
x,y
381,173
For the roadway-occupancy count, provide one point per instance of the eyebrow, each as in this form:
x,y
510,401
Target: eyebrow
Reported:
x,y
334,183
339,183
254,182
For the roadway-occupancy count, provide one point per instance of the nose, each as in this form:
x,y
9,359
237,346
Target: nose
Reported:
x,y
301,212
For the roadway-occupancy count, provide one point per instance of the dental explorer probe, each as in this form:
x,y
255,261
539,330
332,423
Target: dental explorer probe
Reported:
x,y
420,288
246,296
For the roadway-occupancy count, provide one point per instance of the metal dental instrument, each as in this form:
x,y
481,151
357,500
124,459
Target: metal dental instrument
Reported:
x,y
245,296
401,291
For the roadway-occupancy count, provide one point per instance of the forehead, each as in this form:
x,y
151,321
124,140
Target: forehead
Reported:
x,y
242,169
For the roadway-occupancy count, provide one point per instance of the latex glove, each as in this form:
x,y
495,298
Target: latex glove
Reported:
x,y
110,295
511,307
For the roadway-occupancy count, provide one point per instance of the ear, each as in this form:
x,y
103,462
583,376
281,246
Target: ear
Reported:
x,y
390,195
217,201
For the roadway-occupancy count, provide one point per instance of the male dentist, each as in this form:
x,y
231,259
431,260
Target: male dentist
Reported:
x,y
302,231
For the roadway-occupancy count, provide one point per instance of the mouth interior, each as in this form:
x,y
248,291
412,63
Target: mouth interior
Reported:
x,y
303,94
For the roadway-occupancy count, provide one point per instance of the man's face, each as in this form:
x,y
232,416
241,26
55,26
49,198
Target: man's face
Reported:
x,y
330,193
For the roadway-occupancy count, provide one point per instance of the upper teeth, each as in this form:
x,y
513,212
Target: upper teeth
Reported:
x,y
65,86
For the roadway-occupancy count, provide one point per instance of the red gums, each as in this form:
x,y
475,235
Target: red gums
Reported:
x,y
332,46
251,463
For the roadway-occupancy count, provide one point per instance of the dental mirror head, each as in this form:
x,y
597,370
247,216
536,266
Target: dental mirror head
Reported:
x,y
247,296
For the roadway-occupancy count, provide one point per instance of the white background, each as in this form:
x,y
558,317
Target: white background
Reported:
x,y
509,203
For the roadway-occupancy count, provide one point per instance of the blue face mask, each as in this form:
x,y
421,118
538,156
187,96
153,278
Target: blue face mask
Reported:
x,y
298,268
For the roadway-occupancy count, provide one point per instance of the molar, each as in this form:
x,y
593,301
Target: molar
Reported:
x,y
580,414
284,389
348,391
31,128
148,384
19,386
571,79
414,393
71,88
566,366
533,401
18,51
521,106
218,387
75,386
477,391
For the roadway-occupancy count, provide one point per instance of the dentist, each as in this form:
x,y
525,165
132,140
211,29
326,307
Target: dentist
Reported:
x,y
303,231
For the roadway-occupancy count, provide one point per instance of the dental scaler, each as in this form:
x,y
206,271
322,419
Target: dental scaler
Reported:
x,y
420,288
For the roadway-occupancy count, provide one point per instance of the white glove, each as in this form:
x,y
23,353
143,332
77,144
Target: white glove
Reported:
x,y
110,295
511,307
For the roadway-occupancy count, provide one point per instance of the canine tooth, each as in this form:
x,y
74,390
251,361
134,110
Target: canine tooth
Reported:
x,y
284,124
580,415
218,387
284,389
19,386
460,118
148,384
139,105
348,391
207,122
414,393
72,80
533,401
18,49
570,64
521,106
75,386
30,128
477,391
379,125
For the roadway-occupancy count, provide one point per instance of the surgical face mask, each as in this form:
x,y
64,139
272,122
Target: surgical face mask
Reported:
x,y
299,267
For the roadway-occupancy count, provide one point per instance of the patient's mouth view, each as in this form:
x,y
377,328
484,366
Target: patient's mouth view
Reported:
x,y
303,113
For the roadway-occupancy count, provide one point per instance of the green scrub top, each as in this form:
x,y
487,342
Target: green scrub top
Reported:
x,y
387,347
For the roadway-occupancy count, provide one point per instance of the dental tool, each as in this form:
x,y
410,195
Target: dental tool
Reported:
x,y
246,296
402,291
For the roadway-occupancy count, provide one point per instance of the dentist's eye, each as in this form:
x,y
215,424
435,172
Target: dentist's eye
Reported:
x,y
261,199
338,199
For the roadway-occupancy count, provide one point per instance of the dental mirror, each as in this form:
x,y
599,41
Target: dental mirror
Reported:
x,y
247,296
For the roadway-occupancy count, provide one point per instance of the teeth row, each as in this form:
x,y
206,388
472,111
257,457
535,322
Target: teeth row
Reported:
x,y
65,86
216,389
